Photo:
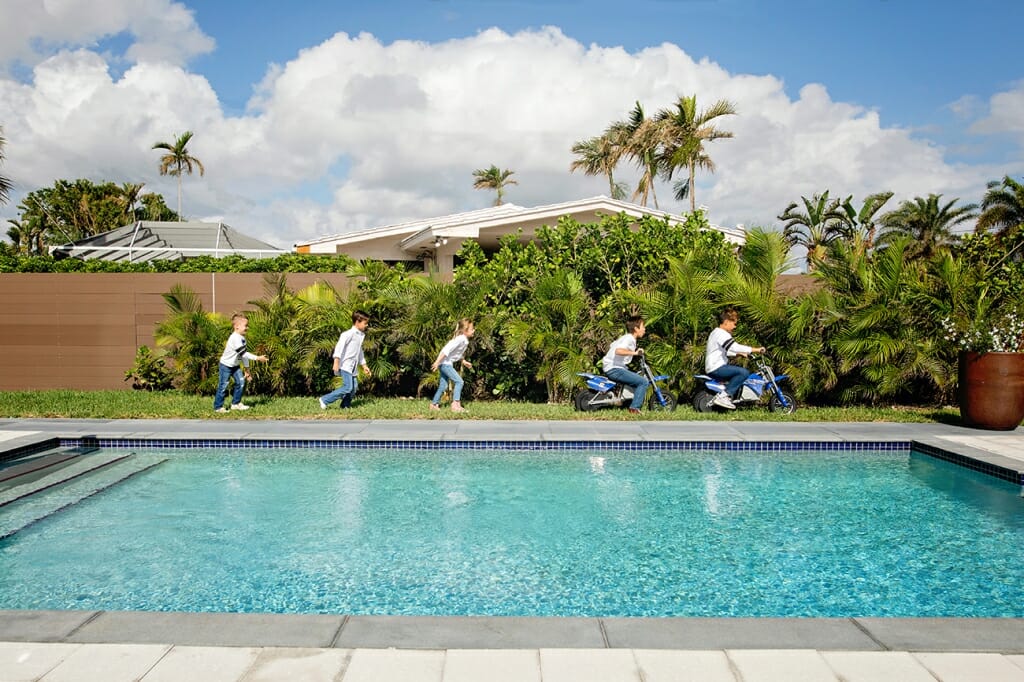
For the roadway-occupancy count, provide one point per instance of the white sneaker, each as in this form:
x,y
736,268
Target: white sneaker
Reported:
x,y
222,410
723,400
240,406
323,405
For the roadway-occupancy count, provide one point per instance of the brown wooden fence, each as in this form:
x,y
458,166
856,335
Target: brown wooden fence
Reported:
x,y
81,330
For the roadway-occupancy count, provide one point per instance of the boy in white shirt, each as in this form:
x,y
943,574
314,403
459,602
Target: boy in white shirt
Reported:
x,y
348,353
721,346
232,361
621,353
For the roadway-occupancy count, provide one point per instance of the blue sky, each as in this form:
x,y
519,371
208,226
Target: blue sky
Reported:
x,y
306,128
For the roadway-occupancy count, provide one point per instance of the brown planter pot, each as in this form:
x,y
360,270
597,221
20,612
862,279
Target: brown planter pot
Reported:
x,y
990,388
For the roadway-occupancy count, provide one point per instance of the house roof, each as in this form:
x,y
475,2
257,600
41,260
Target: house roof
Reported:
x,y
418,233
155,240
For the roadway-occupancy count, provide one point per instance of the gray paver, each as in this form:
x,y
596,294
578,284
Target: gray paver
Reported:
x,y
41,626
737,633
215,629
480,632
948,634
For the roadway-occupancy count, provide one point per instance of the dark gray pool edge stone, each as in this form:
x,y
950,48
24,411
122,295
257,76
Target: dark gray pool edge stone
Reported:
x,y
990,635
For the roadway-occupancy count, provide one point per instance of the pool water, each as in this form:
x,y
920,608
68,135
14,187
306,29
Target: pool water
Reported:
x,y
541,533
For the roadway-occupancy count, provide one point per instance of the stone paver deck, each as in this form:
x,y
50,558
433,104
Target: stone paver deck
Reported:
x,y
111,646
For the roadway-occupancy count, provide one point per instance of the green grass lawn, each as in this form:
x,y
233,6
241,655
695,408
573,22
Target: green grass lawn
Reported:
x,y
176,405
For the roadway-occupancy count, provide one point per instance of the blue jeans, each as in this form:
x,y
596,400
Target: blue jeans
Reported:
x,y
639,384
734,375
448,373
226,374
347,390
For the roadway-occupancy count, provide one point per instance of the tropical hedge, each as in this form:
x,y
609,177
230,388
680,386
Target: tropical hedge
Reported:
x,y
880,326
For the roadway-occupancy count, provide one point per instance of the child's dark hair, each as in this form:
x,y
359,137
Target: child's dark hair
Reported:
x,y
728,314
633,322
359,316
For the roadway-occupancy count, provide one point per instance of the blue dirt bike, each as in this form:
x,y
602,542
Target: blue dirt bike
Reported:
x,y
604,392
759,385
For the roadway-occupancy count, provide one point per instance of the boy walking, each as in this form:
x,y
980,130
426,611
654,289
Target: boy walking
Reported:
x,y
721,347
234,364
348,353
620,354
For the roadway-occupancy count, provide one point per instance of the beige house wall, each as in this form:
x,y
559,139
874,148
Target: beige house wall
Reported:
x,y
82,330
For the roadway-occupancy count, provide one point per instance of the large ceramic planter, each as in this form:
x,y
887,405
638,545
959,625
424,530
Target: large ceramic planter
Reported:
x,y
990,388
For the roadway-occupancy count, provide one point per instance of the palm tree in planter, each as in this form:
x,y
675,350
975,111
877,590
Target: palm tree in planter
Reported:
x,y
494,178
177,160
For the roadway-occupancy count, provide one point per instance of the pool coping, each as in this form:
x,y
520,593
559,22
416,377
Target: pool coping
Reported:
x,y
994,635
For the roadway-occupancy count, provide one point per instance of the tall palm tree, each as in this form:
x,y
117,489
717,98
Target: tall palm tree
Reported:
x,y
5,184
820,223
684,131
493,178
177,160
927,222
1002,207
599,156
640,140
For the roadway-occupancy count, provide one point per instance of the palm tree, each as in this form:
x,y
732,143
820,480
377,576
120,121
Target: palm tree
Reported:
x,y
816,227
27,237
1002,207
178,160
5,184
193,338
929,224
128,197
685,131
599,156
640,140
863,221
493,178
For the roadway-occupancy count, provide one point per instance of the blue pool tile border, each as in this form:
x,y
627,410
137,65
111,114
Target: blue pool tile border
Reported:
x,y
629,446
1016,477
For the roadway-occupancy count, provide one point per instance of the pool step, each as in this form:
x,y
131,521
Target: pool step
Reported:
x,y
82,477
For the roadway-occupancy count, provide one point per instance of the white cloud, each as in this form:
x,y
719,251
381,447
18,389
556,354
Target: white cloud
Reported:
x,y
1006,113
352,133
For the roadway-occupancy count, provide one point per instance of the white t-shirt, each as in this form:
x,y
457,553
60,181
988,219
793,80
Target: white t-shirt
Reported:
x,y
454,350
349,350
721,347
611,360
235,353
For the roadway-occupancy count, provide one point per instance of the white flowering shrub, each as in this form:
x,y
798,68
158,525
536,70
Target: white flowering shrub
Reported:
x,y
999,334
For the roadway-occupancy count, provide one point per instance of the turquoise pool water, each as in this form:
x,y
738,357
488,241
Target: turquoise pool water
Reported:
x,y
549,533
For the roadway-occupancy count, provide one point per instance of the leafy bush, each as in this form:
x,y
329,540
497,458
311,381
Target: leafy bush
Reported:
x,y
289,262
149,373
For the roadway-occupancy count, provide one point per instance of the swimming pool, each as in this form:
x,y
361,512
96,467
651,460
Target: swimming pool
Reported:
x,y
534,532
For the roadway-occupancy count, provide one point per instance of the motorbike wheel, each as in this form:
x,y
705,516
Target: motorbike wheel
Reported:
x,y
583,399
702,401
775,405
670,402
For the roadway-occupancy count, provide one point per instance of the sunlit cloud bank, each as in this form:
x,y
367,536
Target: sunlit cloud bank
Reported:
x,y
353,133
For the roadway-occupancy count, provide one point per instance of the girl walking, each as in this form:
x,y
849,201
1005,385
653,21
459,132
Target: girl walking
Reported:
x,y
453,352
